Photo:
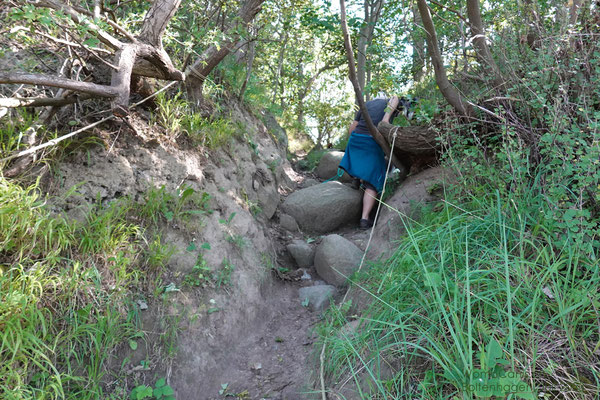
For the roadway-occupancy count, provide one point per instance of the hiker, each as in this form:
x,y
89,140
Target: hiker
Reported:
x,y
364,159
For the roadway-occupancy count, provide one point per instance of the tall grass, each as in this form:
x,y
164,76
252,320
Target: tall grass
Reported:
x,y
65,290
475,294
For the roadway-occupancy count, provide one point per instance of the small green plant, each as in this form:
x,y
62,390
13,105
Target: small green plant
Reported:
x,y
228,220
158,253
161,391
210,133
273,164
223,275
171,113
201,274
237,240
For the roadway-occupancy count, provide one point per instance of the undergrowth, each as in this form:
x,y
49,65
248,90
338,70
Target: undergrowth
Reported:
x,y
494,292
67,288
477,274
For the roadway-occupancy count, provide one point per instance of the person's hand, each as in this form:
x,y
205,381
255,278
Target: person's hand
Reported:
x,y
393,103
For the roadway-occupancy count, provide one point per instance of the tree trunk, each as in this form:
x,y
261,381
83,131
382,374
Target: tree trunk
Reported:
x,y
418,52
308,87
481,48
414,140
365,39
574,11
211,57
448,91
250,54
283,39
358,92
144,56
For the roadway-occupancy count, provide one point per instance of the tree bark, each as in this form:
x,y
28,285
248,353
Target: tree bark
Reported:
x,y
358,92
211,57
250,54
55,81
144,56
156,20
418,52
365,39
15,102
481,48
414,140
574,11
448,91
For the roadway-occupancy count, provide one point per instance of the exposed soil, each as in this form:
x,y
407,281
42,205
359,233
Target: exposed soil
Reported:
x,y
250,338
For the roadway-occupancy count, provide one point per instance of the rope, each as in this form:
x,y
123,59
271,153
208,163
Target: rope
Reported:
x,y
340,173
53,142
362,261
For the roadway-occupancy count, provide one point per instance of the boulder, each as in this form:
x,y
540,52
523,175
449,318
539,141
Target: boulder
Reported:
x,y
308,182
425,187
303,254
318,297
336,259
328,166
325,207
288,222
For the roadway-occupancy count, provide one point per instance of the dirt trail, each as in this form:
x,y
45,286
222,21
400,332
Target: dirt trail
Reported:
x,y
273,361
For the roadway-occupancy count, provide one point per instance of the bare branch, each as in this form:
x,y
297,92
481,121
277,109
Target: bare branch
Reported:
x,y
55,81
14,102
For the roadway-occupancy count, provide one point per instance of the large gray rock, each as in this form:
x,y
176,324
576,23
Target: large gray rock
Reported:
x,y
308,182
318,297
336,259
425,187
303,253
328,166
288,222
325,207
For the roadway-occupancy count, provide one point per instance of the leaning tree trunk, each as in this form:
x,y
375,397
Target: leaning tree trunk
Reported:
x,y
415,140
381,141
479,42
417,146
451,95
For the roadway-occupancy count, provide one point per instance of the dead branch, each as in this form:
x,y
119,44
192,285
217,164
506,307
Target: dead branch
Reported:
x,y
55,81
14,102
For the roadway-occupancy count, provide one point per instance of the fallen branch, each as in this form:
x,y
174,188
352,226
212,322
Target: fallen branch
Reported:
x,y
14,102
414,140
55,81
54,142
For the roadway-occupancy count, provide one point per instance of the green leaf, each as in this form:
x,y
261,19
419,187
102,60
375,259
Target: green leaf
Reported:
x,y
91,42
494,353
191,247
161,382
205,246
433,279
305,302
133,345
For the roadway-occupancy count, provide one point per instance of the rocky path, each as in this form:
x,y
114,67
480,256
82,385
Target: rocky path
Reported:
x,y
276,357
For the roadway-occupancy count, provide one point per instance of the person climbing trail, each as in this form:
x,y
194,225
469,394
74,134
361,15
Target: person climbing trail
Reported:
x,y
364,159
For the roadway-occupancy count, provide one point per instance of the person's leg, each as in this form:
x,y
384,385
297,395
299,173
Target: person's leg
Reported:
x,y
368,202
